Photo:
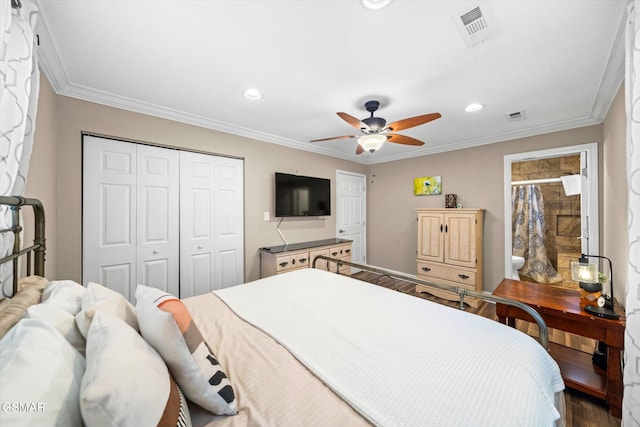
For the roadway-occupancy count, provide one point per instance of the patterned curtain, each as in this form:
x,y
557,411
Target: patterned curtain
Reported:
x,y
528,230
19,88
631,376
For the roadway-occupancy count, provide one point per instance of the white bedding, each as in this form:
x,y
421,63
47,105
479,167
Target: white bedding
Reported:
x,y
401,360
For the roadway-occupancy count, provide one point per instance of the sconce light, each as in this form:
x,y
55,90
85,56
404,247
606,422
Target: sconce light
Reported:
x,y
586,274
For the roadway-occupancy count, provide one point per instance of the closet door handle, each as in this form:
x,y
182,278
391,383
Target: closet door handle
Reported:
x,y
463,276
441,228
446,228
426,269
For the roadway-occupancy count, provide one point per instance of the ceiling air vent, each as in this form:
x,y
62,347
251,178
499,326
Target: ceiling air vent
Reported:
x,y
474,25
515,116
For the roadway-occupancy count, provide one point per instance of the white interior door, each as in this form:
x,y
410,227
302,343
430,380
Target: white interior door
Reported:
x,y
158,238
351,213
211,223
109,214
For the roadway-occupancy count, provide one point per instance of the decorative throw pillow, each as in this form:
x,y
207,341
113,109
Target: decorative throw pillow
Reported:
x,y
126,383
41,372
100,298
65,294
166,324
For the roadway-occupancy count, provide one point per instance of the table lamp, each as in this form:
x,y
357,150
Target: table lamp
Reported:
x,y
586,274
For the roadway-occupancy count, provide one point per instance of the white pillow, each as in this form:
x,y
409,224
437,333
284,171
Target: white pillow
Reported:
x,y
100,298
39,367
166,324
65,294
63,321
126,383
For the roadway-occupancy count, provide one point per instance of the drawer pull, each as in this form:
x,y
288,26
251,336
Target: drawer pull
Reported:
x,y
293,261
426,269
303,260
284,264
348,251
334,253
463,276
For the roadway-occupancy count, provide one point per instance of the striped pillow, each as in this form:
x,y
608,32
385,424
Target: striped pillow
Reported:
x,y
166,324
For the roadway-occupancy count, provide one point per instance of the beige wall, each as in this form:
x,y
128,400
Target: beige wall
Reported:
x,y
41,181
261,160
474,174
614,235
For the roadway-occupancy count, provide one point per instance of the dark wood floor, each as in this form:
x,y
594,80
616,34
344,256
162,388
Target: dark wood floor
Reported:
x,y
581,410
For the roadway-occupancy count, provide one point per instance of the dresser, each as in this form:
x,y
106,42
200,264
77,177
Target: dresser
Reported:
x,y
284,258
450,251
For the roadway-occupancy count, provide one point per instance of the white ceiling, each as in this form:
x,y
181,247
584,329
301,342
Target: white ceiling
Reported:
x,y
559,61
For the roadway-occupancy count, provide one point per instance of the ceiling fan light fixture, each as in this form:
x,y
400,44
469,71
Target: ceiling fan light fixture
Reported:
x,y
473,107
372,142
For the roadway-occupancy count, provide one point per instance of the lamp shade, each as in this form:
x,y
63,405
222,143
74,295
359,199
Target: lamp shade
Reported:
x,y
372,142
586,274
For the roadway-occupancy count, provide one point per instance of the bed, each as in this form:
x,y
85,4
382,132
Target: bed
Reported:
x,y
307,347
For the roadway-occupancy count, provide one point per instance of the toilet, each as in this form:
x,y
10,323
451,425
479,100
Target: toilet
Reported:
x,y
517,262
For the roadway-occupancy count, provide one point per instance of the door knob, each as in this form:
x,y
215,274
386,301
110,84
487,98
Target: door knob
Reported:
x,y
199,246
341,231
156,252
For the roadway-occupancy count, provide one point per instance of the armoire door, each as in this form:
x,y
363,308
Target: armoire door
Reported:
x,y
130,216
211,223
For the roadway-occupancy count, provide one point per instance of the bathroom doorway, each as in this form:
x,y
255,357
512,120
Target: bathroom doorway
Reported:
x,y
570,222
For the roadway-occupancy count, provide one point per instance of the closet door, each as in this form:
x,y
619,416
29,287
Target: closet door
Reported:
x,y
157,221
130,216
211,223
109,214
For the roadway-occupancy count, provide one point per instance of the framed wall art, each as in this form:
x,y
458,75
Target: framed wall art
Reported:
x,y
427,186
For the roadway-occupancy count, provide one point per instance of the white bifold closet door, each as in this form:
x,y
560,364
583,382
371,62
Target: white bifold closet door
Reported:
x,y
137,227
211,223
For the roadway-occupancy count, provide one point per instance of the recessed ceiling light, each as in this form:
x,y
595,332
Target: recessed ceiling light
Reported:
x,y
252,94
473,107
375,4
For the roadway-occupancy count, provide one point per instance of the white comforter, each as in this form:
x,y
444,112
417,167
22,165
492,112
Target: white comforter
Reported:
x,y
401,360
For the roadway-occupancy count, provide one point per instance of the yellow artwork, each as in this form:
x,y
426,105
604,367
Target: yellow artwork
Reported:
x,y
427,186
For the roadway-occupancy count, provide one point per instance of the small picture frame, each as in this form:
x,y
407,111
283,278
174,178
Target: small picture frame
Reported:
x,y
450,201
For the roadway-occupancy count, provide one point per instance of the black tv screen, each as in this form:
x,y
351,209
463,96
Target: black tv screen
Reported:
x,y
298,195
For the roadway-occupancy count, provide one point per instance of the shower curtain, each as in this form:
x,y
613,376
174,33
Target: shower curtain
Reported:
x,y
528,230
19,88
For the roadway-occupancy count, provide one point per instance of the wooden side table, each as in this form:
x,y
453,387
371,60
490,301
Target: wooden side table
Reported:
x,y
563,309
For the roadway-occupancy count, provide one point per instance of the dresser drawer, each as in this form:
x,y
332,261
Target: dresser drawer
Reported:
x,y
283,263
451,274
440,293
300,260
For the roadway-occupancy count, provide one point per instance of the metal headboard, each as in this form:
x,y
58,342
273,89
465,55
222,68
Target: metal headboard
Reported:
x,y
35,264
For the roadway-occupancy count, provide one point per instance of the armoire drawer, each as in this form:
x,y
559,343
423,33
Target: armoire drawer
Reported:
x,y
452,274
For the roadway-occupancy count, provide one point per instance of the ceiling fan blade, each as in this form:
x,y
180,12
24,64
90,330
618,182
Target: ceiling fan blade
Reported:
x,y
403,139
413,121
356,123
359,150
334,137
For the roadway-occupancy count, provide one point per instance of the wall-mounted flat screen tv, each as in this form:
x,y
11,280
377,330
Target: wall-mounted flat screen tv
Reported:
x,y
298,195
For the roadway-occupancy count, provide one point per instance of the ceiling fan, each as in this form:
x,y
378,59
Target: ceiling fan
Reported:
x,y
376,131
